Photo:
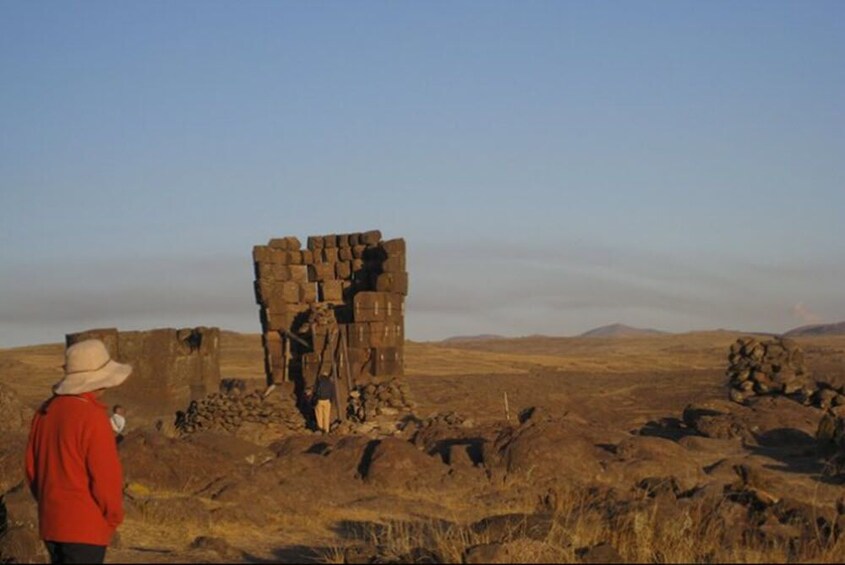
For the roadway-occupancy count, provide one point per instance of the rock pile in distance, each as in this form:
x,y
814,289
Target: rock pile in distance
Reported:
x,y
776,366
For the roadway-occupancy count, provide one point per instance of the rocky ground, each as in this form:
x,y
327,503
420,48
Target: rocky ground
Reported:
x,y
589,463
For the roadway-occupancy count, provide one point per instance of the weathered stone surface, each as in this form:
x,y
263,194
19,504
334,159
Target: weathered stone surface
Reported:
x,y
170,367
398,464
335,316
545,448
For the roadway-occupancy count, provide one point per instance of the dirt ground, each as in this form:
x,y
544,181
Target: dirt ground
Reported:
x,y
608,403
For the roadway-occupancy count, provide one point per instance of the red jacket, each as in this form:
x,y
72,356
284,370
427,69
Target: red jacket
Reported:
x,y
74,472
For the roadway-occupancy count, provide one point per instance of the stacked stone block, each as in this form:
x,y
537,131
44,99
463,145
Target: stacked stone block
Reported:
x,y
359,281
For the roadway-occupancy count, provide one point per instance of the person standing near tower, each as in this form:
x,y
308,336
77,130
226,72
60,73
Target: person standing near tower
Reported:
x,y
323,396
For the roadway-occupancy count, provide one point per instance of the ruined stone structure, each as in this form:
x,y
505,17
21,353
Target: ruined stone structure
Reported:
x,y
169,367
233,409
773,367
336,306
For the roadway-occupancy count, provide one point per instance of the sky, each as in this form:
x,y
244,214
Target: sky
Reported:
x,y
553,166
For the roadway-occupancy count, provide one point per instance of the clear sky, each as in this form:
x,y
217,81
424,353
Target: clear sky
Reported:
x,y
553,166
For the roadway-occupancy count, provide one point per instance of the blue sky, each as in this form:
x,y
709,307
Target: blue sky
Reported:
x,y
553,166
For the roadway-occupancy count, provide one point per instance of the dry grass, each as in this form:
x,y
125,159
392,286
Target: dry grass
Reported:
x,y
696,535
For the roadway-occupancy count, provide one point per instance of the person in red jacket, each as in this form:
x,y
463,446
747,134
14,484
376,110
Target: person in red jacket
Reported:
x,y
72,465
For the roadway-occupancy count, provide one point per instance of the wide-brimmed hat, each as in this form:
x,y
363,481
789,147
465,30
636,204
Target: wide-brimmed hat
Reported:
x,y
89,367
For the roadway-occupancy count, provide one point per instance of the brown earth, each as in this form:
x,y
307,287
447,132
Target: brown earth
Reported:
x,y
609,448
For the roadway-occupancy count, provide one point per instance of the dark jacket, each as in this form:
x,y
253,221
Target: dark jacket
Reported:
x,y
324,389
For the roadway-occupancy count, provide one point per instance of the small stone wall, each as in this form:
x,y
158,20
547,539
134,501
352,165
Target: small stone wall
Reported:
x,y
230,410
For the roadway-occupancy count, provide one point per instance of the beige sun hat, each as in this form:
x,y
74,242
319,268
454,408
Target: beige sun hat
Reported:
x,y
89,367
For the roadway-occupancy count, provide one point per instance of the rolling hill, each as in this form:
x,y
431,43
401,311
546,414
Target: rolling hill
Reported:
x,y
817,329
620,330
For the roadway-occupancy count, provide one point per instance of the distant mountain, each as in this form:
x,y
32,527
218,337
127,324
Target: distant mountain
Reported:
x,y
619,330
480,337
817,329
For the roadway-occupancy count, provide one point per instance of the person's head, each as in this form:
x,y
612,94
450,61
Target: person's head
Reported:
x,y
89,368
118,409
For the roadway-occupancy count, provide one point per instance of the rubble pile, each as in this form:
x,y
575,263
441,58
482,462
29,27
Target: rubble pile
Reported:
x,y
776,366
228,411
390,398
765,367
444,419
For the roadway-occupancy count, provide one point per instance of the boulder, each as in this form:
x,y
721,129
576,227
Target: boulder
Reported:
x,y
716,419
545,449
641,459
395,463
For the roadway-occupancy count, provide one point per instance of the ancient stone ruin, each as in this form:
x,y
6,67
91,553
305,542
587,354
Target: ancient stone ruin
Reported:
x,y
775,367
335,307
235,410
169,367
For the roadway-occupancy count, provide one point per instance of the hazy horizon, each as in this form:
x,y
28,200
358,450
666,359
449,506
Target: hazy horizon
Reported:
x,y
553,166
